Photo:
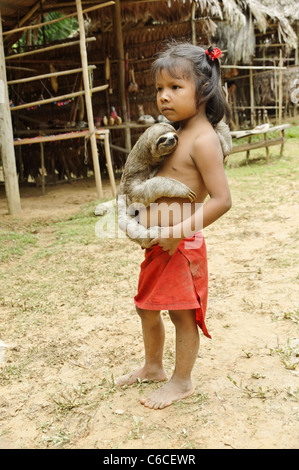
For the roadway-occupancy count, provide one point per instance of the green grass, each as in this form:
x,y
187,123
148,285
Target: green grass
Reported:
x,y
14,243
66,300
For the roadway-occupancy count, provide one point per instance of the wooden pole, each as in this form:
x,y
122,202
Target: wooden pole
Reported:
x,y
58,98
109,163
280,89
121,58
48,48
48,75
252,117
6,140
252,67
193,23
42,161
30,13
40,25
88,103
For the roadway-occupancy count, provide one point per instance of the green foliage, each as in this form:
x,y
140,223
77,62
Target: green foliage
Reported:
x,y
49,33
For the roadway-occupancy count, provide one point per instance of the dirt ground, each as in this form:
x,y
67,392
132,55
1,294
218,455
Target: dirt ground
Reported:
x,y
78,330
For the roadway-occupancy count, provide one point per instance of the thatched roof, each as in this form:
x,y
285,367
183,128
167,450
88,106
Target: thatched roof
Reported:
x,y
230,23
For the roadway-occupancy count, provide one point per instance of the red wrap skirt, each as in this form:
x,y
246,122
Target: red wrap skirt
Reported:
x,y
176,282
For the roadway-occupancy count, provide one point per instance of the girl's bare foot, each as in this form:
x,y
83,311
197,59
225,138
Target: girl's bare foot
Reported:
x,y
172,391
141,374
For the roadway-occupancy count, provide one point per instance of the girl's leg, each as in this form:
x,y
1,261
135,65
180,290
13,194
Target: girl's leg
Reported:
x,y
153,338
187,344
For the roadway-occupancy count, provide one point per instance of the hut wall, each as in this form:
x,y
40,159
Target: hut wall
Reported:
x,y
143,36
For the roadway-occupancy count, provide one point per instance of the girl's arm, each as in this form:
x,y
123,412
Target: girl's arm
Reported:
x,y
208,159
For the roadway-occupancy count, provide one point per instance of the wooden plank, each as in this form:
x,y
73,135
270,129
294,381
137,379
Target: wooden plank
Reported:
x,y
241,134
257,145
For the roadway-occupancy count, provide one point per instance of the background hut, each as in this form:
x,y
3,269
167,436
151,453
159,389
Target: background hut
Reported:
x,y
257,39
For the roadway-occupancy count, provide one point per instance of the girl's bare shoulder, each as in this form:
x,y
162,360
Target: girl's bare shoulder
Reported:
x,y
206,144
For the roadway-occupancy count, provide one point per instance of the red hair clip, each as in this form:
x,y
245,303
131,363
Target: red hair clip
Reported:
x,y
214,54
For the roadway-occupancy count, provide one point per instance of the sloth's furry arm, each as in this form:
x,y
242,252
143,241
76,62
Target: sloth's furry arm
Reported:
x,y
152,189
128,223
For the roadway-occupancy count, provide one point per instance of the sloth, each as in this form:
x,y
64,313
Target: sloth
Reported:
x,y
139,187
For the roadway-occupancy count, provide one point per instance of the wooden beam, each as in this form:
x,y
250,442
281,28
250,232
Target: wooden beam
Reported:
x,y
54,138
29,14
88,103
40,25
252,116
49,48
6,140
48,75
253,67
58,98
9,6
121,58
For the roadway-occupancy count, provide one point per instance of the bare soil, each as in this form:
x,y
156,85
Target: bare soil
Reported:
x,y
68,321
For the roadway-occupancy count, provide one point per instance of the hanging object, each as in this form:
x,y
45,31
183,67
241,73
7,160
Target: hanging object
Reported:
x,y
81,108
108,74
54,80
133,87
107,69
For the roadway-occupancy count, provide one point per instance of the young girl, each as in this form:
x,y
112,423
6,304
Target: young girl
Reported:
x,y
173,275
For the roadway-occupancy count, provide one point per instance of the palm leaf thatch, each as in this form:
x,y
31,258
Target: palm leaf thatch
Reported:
x,y
236,33
288,9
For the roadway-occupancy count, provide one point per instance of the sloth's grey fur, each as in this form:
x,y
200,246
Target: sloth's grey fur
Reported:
x,y
139,185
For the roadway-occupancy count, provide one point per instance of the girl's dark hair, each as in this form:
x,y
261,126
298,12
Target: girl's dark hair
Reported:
x,y
196,64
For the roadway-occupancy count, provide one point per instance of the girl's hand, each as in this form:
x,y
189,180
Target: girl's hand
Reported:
x,y
166,240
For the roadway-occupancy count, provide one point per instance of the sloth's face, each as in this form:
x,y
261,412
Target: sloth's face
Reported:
x,y
163,144
167,143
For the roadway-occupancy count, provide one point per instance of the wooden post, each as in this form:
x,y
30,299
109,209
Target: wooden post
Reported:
x,y
280,94
6,140
121,58
42,162
252,117
109,163
88,103
248,151
193,23
282,144
267,149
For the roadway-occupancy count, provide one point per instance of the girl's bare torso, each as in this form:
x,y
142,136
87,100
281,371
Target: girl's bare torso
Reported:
x,y
179,166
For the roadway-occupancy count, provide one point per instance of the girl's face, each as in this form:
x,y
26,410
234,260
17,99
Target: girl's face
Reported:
x,y
175,96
